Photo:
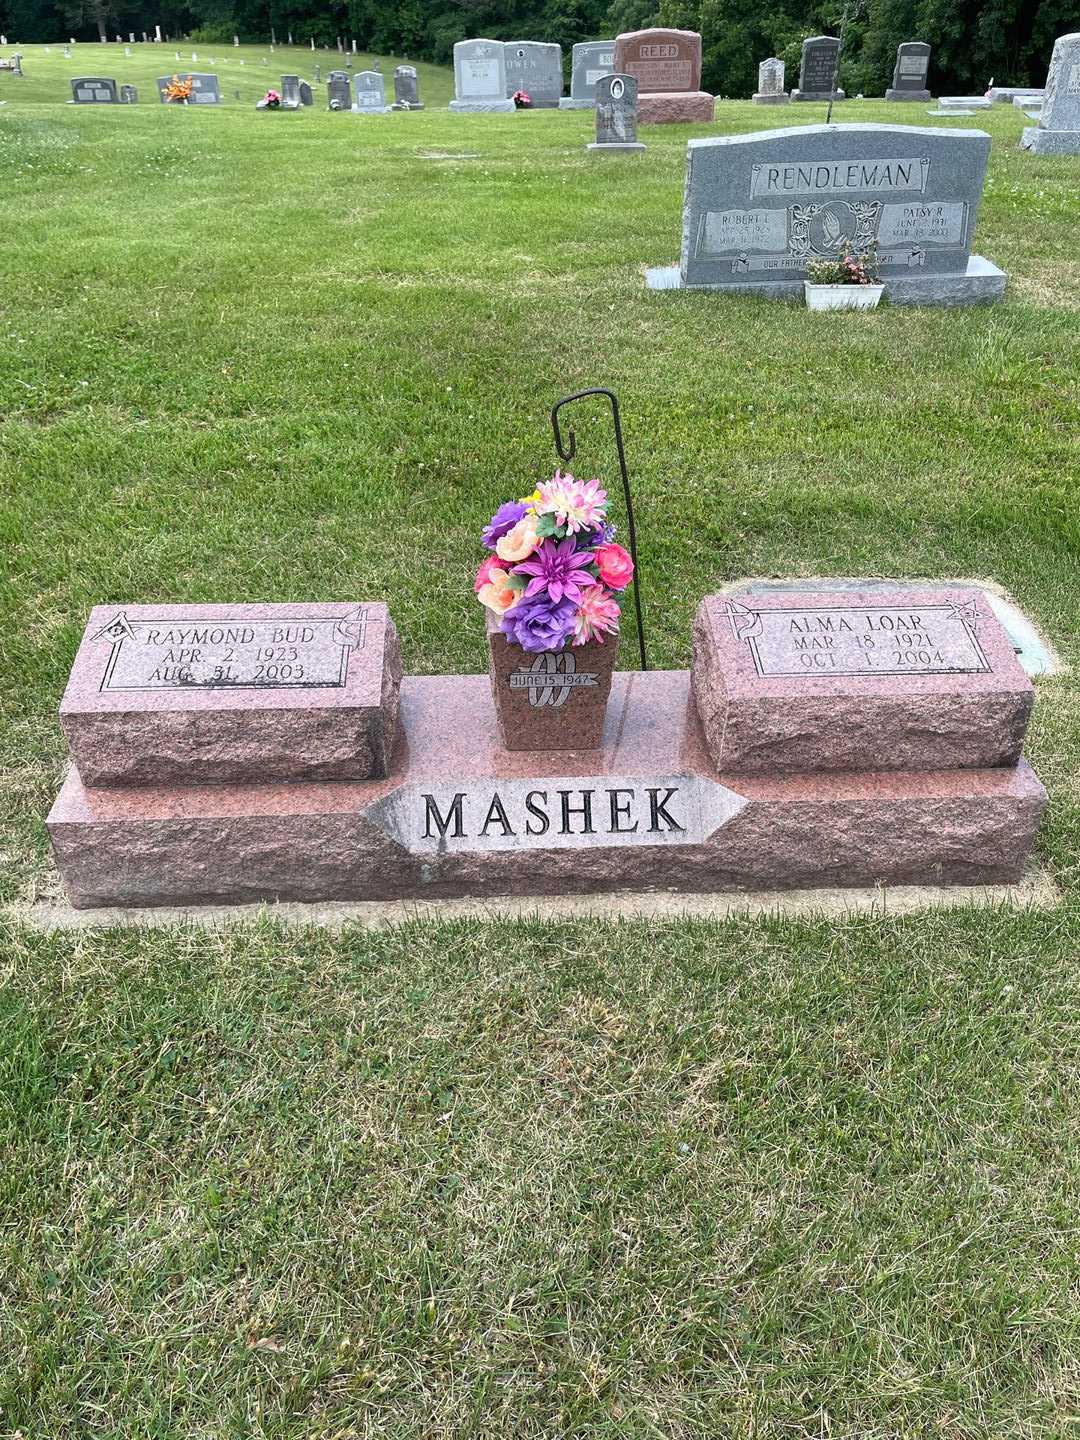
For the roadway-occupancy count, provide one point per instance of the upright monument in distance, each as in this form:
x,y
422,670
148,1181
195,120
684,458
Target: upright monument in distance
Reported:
x,y
667,67
909,74
818,70
1058,130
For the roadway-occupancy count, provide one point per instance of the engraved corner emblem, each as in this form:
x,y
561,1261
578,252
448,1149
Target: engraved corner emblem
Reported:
x,y
745,623
966,611
551,678
118,628
351,630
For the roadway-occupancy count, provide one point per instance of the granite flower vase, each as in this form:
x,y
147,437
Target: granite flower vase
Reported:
x,y
550,699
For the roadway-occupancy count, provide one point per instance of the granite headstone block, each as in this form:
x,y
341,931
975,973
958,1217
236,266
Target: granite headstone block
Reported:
x,y
459,815
370,91
480,77
667,66
591,60
758,207
290,92
94,90
616,116
818,69
910,72
406,88
306,97
338,91
1058,130
186,694
845,681
536,68
770,84
129,95
205,90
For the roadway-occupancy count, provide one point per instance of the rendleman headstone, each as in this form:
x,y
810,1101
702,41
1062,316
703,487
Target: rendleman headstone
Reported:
x,y
818,70
370,89
1058,130
406,89
910,71
770,84
667,66
758,207
590,60
536,68
480,77
94,90
616,116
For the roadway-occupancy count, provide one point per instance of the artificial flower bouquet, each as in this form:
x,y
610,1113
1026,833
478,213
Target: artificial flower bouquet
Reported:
x,y
270,101
550,585
177,91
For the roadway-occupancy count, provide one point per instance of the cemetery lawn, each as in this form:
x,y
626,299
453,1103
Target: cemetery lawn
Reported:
x,y
754,1179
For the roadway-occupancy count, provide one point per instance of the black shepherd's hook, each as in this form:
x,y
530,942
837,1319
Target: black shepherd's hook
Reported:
x,y
566,454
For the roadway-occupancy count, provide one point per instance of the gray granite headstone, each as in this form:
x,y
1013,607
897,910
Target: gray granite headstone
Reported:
x,y
536,68
305,93
1058,130
406,88
129,95
94,90
616,115
910,71
770,83
338,93
818,69
205,90
290,92
480,77
758,207
370,89
591,60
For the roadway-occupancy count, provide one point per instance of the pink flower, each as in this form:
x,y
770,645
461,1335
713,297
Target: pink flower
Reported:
x,y
579,505
597,616
483,575
615,566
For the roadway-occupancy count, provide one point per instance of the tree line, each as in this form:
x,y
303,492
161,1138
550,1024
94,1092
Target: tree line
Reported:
x,y
973,41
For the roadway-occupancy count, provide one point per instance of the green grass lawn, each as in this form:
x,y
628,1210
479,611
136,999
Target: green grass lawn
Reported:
x,y
752,1179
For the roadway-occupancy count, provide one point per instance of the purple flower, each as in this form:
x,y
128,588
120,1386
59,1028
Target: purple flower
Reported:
x,y
502,522
559,568
602,535
539,623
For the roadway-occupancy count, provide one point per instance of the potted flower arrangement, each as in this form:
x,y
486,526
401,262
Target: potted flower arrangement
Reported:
x,y
522,100
177,91
848,282
550,585
270,101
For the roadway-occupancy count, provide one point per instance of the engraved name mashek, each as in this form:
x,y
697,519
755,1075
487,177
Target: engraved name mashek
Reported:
x,y
592,810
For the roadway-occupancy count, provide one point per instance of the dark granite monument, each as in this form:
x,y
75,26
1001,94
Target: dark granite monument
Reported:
x,y
818,70
909,74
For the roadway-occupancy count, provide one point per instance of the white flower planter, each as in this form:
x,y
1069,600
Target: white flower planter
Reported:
x,y
842,297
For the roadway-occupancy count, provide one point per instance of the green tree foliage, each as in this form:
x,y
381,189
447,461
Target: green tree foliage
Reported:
x,y
972,40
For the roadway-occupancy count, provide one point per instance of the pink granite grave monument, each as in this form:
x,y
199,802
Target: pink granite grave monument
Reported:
x,y
667,66
799,751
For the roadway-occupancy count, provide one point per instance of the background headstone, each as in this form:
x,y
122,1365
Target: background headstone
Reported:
x,y
591,60
818,70
616,115
770,83
667,67
305,93
536,68
94,90
338,93
205,90
1058,130
480,77
909,74
406,88
129,95
757,207
290,91
370,91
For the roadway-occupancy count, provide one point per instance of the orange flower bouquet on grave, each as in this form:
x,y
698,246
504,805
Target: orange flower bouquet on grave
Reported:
x,y
177,91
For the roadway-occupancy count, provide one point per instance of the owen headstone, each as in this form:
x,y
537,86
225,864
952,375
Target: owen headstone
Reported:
x,y
480,77
94,90
290,92
370,91
536,68
406,88
758,207
338,93
616,116
818,70
590,60
667,66
770,83
910,71
1058,130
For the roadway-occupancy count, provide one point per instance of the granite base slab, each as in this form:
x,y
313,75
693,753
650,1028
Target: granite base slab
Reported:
x,y
818,97
760,99
981,283
616,147
677,107
901,95
481,107
567,103
458,815
1050,142
412,105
